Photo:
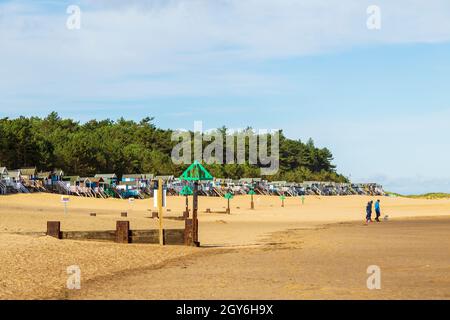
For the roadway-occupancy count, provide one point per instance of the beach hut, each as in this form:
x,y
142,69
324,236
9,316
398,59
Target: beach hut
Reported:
x,y
110,184
57,175
4,173
10,182
45,178
92,187
85,182
71,180
131,178
67,185
146,182
3,178
169,182
131,185
277,187
28,173
129,189
29,178
165,179
95,186
249,182
14,175
93,182
148,176
110,179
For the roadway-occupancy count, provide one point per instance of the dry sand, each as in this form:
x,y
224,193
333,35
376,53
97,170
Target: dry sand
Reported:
x,y
35,267
30,213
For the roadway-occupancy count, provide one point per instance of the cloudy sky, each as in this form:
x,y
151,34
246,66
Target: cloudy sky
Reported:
x,y
379,99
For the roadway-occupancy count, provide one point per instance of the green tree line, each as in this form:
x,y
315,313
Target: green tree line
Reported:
x,y
126,146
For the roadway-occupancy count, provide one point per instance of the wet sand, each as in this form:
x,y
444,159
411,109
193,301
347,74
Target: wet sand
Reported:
x,y
324,263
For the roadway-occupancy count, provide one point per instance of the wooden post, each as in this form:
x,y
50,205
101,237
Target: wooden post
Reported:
x,y
188,232
123,232
194,213
186,215
160,211
54,229
196,242
252,205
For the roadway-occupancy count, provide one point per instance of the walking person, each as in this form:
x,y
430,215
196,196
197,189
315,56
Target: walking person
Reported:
x,y
377,210
369,212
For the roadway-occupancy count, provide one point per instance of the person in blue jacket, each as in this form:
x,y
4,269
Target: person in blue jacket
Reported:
x,y
377,210
369,212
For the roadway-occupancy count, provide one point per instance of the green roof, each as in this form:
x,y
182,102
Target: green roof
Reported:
x,y
228,196
196,172
186,191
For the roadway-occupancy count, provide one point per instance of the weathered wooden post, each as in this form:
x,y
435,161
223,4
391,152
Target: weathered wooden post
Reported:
x,y
228,196
186,191
123,232
188,235
194,213
252,204
54,229
282,201
195,172
160,211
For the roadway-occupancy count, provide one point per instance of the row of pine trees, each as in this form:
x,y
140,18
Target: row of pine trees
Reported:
x,y
125,146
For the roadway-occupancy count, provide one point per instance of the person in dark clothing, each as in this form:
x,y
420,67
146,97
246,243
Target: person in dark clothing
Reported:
x,y
377,210
369,212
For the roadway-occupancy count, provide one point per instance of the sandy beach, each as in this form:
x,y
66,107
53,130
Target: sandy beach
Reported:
x,y
319,250
329,262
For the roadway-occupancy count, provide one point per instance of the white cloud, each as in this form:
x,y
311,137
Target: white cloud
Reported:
x,y
137,50
206,42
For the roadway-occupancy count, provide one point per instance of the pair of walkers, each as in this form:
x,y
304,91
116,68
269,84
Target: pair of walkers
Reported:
x,y
369,211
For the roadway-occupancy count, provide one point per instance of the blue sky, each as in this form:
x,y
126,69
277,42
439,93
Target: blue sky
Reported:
x,y
378,99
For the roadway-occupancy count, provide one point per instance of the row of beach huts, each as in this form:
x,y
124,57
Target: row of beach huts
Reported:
x,y
27,180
